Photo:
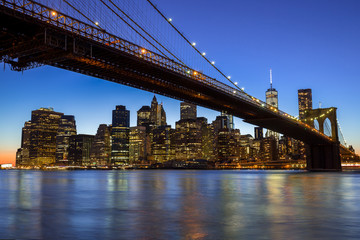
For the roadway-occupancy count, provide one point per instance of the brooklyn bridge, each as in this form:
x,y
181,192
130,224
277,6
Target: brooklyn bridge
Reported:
x,y
75,36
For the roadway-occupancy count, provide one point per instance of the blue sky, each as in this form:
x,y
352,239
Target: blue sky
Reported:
x,y
308,44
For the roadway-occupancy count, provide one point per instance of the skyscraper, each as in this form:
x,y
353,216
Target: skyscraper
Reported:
x,y
272,100
187,111
230,119
258,133
79,149
271,94
157,114
304,100
67,128
101,147
44,128
143,117
161,147
23,157
139,144
120,135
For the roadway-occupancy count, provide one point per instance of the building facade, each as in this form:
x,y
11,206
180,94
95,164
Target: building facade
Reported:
x,y
79,150
120,136
304,100
67,128
43,131
187,111
101,147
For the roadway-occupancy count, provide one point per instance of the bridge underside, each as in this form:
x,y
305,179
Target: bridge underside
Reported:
x,y
26,42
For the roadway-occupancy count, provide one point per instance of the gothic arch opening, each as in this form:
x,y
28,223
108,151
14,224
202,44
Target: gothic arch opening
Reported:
x,y
327,127
316,124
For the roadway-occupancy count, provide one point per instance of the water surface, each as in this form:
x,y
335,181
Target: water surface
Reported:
x,y
179,204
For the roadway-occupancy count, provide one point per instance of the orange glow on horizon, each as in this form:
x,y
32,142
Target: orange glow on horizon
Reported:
x,y
8,156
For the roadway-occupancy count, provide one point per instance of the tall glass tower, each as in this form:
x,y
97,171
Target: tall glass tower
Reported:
x,y
272,94
120,136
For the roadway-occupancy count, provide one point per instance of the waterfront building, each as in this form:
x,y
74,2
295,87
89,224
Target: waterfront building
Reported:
x,y
187,111
23,153
101,147
269,149
139,144
189,138
43,132
120,136
161,148
304,101
67,128
79,150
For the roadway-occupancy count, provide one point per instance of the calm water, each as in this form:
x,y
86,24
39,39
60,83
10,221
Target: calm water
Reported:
x,y
170,204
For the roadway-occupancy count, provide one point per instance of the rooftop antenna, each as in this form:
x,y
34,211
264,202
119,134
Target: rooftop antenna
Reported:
x,y
270,78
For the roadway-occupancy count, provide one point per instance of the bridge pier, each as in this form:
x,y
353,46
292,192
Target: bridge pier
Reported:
x,y
323,157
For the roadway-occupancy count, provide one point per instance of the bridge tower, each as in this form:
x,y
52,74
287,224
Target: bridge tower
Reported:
x,y
323,156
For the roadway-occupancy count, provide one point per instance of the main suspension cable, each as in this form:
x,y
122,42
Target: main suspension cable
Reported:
x,y
187,40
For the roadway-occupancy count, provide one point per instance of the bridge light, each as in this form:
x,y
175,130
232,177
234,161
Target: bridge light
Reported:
x,y
242,88
53,13
188,71
96,23
143,51
170,19
203,53
234,91
235,83
194,44
195,73
229,77
213,62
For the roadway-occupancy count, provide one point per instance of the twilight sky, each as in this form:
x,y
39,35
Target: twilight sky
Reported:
x,y
308,44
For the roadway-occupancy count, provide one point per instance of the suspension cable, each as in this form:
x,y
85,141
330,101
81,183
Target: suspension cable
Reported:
x,y
342,135
187,40
146,32
78,11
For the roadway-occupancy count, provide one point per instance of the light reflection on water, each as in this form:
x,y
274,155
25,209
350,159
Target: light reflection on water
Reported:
x,y
170,204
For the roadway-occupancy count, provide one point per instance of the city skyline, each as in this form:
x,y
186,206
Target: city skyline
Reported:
x,y
56,88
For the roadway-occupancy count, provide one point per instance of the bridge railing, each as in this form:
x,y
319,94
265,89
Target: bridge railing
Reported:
x,y
68,23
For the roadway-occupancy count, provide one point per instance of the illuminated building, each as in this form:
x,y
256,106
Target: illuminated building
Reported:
x,y
230,119
101,148
219,123
139,144
157,114
22,155
120,136
143,117
187,111
79,150
161,147
271,94
272,99
190,140
269,149
44,128
305,103
304,100
258,133
67,128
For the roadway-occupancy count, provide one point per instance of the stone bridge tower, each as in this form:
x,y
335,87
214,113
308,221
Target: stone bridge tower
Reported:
x,y
323,156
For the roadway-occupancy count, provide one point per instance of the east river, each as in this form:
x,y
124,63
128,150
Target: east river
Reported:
x,y
179,204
